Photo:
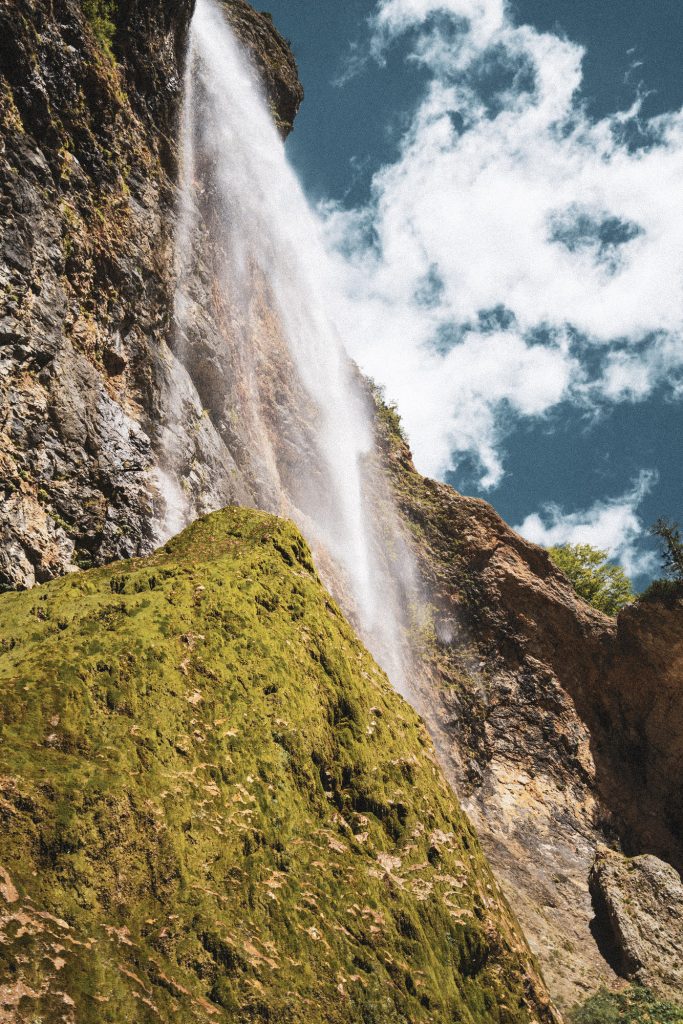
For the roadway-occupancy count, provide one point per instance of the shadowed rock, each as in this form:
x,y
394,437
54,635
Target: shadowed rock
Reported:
x,y
641,902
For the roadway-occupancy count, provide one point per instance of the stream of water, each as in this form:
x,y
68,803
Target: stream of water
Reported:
x,y
270,275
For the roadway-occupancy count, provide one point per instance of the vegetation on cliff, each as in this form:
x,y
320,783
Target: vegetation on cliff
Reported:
x,y
100,14
604,585
670,587
633,1005
213,806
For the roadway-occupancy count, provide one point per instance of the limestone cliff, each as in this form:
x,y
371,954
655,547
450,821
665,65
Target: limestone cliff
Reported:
x,y
86,174
213,806
88,129
559,727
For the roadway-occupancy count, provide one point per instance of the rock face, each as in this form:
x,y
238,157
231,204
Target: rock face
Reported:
x,y
273,58
87,219
559,728
213,806
86,229
640,901
637,720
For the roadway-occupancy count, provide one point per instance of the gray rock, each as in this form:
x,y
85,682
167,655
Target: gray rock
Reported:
x,y
89,384
641,901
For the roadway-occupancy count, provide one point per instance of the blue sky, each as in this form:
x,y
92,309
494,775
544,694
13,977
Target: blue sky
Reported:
x,y
503,188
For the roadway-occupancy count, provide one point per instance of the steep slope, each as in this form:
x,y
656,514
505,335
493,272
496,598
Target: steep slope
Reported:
x,y
637,720
214,806
557,726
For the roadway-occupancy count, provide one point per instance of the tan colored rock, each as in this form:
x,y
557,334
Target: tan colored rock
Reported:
x,y
560,728
641,901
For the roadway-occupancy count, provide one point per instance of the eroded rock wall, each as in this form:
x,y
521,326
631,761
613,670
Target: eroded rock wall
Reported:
x,y
559,727
86,175
88,171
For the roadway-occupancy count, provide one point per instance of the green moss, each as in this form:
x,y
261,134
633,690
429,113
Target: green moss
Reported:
x,y
213,806
634,1005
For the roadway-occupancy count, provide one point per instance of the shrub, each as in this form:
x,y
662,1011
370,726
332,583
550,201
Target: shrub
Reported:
x,y
101,15
603,584
387,413
634,1005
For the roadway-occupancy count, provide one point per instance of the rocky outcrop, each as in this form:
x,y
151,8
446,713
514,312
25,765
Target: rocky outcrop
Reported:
x,y
272,57
89,127
636,715
213,806
559,727
86,212
639,902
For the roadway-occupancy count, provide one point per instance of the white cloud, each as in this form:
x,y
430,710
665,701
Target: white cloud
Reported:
x,y
506,194
611,525
483,18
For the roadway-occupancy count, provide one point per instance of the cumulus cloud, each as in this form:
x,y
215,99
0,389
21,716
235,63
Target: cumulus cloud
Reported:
x,y
517,254
611,525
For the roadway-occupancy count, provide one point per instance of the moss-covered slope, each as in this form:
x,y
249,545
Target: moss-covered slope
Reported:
x,y
214,807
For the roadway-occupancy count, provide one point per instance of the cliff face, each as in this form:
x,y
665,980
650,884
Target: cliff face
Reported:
x,y
89,127
558,726
273,59
637,716
213,806
85,171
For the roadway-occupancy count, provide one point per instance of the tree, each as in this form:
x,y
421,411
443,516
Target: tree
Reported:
x,y
672,548
670,588
598,581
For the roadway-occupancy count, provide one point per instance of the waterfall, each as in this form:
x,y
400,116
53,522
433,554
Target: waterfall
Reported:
x,y
257,349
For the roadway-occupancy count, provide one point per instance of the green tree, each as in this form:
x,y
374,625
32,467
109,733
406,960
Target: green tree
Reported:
x,y
670,587
672,548
594,578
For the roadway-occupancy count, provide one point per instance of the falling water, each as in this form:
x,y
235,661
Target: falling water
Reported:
x,y
277,378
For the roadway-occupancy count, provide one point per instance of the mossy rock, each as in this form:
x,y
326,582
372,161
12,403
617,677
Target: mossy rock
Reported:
x,y
213,806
